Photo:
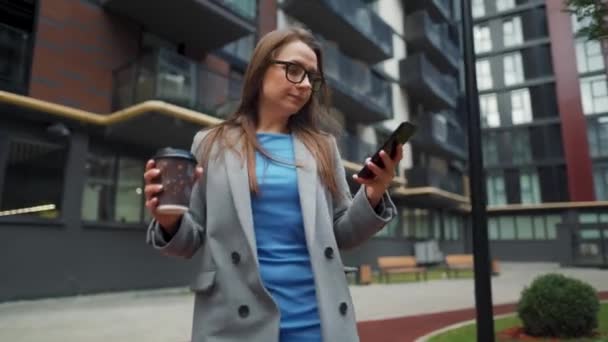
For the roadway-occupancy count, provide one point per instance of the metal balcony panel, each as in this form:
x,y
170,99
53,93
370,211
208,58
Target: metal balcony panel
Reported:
x,y
199,24
360,32
446,139
426,84
439,9
355,107
423,35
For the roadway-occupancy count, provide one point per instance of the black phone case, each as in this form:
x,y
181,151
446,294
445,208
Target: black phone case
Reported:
x,y
400,136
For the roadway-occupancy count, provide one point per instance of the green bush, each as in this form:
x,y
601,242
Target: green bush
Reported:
x,y
558,306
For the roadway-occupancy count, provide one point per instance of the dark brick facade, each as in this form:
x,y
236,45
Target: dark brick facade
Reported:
x,y
78,45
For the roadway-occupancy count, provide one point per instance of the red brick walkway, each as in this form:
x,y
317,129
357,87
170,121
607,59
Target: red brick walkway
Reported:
x,y
407,329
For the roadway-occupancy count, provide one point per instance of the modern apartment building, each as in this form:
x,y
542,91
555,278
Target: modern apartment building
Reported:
x,y
90,89
544,105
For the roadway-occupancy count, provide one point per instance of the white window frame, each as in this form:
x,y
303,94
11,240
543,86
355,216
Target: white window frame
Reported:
x,y
488,106
478,8
589,56
521,106
512,32
482,38
484,74
513,68
594,94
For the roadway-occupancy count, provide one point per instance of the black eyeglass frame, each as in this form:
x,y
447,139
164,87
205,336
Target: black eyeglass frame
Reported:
x,y
312,76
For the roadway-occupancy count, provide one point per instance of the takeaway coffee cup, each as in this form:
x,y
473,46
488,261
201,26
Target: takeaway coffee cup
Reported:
x,y
177,169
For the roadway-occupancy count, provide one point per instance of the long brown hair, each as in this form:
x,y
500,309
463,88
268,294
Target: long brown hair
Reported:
x,y
304,125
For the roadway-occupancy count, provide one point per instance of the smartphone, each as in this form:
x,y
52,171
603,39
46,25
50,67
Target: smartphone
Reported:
x,y
399,137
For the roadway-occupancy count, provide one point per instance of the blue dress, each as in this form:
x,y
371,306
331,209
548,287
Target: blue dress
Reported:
x,y
283,256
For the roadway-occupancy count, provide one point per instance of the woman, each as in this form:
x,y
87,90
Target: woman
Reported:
x,y
271,209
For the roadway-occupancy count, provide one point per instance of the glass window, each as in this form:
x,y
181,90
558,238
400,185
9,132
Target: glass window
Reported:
x,y
539,228
129,189
514,71
493,228
588,218
512,32
529,187
524,228
490,149
604,218
589,55
479,9
440,127
33,178
594,93
507,228
552,221
521,107
602,137
577,25
483,40
113,190
522,152
484,74
600,181
488,105
503,5
495,185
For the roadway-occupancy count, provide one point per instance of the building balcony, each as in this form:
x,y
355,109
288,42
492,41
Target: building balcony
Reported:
x,y
355,150
239,52
172,78
441,134
224,20
357,91
424,35
360,32
439,9
426,84
424,176
15,59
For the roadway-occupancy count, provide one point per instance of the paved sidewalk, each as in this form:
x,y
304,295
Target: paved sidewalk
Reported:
x,y
165,315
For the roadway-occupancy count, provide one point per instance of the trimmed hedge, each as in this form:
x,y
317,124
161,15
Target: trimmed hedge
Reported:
x,y
558,306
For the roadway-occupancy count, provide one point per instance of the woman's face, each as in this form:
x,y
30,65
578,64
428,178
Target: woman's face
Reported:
x,y
282,90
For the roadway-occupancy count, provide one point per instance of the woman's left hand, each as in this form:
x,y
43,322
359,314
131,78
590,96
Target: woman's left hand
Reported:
x,y
377,186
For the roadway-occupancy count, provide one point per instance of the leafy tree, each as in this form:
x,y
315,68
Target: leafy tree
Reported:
x,y
595,12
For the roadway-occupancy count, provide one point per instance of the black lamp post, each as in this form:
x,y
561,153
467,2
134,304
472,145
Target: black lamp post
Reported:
x,y
481,253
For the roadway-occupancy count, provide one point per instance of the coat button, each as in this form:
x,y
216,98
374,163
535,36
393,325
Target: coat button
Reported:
x,y
236,258
243,311
329,253
343,308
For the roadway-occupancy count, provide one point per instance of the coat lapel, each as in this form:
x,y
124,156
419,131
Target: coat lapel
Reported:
x,y
307,187
238,179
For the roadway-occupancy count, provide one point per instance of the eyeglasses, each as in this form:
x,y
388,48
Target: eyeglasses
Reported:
x,y
295,74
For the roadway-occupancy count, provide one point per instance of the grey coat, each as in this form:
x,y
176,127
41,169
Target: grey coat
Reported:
x,y
231,303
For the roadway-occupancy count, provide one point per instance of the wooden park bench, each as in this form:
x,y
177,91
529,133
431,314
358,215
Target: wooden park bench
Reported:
x,y
400,265
464,262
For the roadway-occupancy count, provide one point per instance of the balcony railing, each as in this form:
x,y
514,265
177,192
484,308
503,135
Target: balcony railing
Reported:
x,y
441,134
245,8
14,59
439,9
420,176
427,84
424,35
240,51
359,31
357,91
166,76
202,25
354,149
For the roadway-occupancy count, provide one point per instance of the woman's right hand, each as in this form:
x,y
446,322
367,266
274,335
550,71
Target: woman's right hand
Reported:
x,y
168,222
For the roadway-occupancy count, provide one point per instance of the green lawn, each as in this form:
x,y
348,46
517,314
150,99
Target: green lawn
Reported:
x,y
467,333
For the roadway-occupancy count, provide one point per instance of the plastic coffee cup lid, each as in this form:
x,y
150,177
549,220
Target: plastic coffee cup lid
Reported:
x,y
170,152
